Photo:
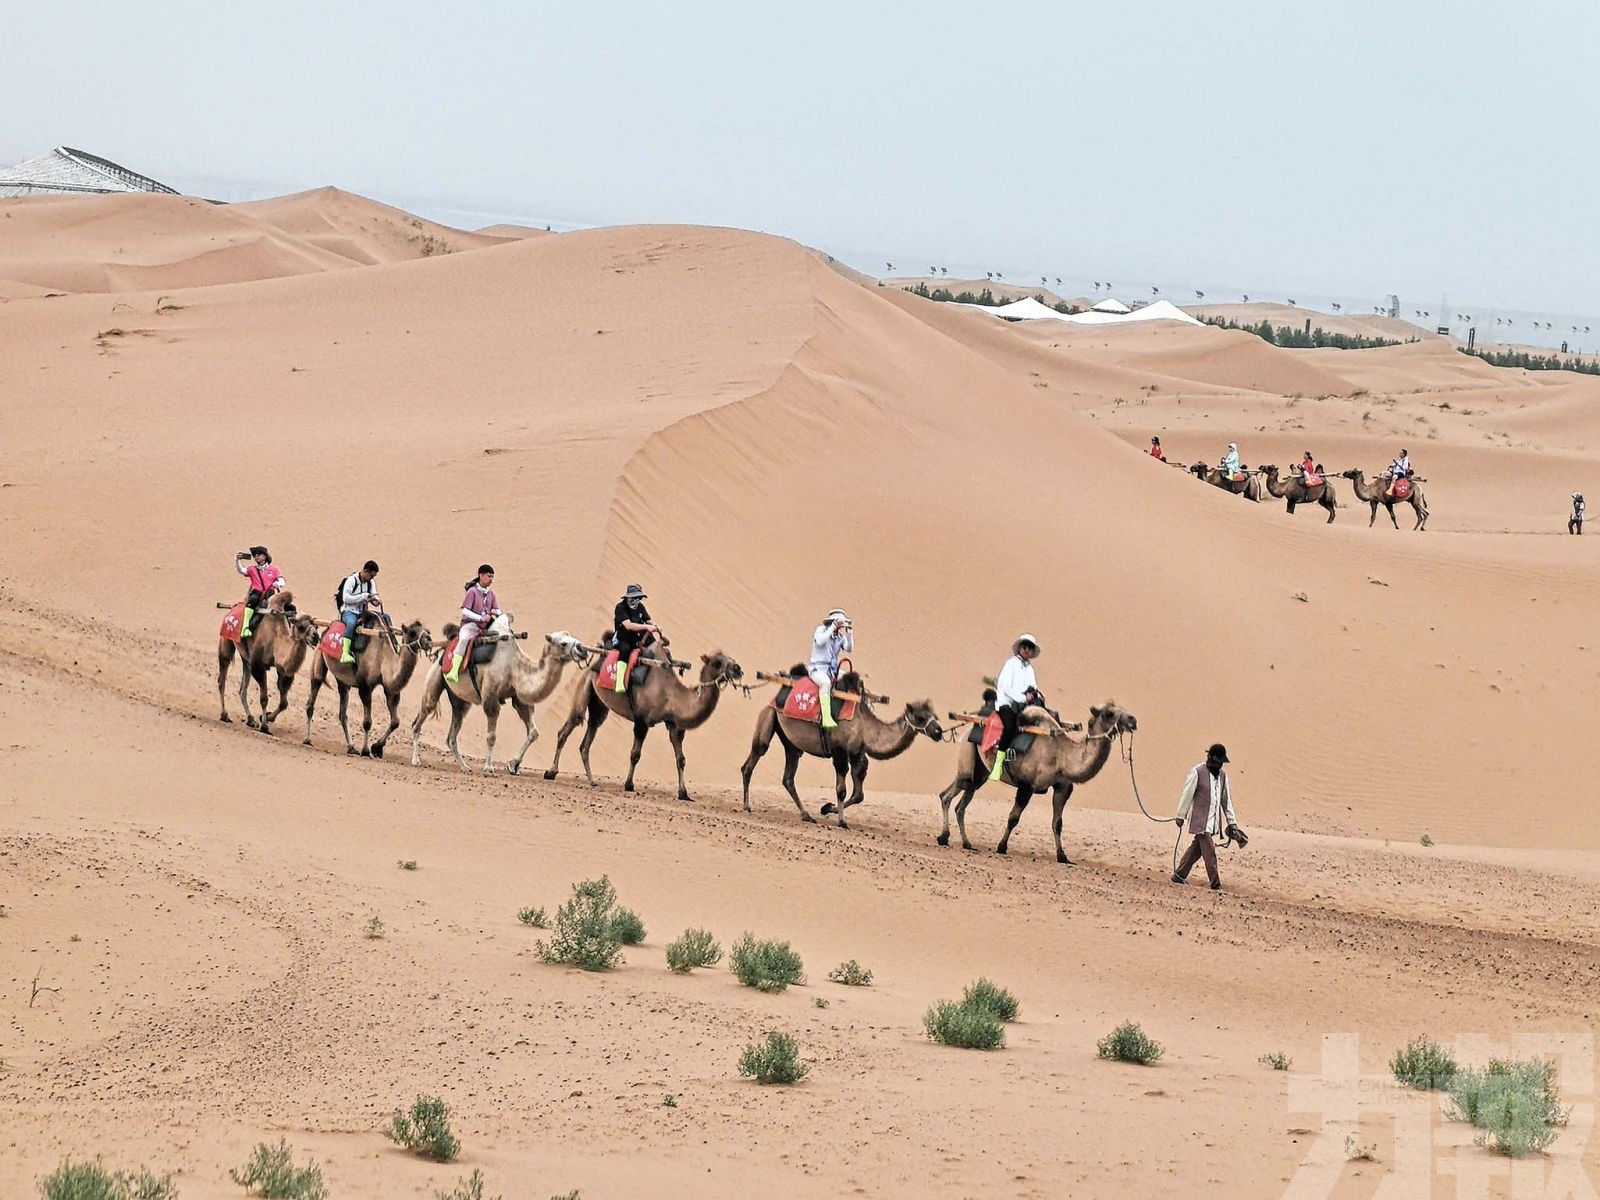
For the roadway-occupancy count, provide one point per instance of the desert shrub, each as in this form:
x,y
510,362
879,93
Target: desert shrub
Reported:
x,y
765,965
572,1195
584,935
1424,1064
425,1130
534,917
820,1001
695,948
628,927
91,1181
952,1024
1513,1122
1427,840
272,1175
992,999
374,928
1128,1043
407,864
468,1188
1516,1104
1277,1060
851,974
777,1060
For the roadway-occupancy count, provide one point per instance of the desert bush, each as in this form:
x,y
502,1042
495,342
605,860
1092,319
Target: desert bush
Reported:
x,y
468,1188
765,965
272,1175
628,927
695,948
777,1060
1516,1104
1424,1064
425,1130
1129,1043
91,1181
851,974
407,864
534,917
1427,840
585,936
952,1024
1513,1123
374,928
1277,1060
820,1001
992,999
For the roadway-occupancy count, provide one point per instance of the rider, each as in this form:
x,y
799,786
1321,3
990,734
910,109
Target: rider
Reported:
x,y
1308,469
1399,469
1015,689
1230,461
478,608
632,629
264,580
1156,451
835,636
355,594
1575,522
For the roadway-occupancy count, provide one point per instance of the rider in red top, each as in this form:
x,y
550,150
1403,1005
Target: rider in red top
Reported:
x,y
1155,449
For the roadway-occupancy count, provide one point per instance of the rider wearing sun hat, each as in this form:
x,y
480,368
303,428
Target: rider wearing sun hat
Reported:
x,y
1575,522
1015,688
829,641
631,629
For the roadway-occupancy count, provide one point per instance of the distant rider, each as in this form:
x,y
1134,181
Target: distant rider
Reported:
x,y
1575,522
356,593
1230,462
255,564
833,638
631,630
1156,452
479,607
1399,469
1015,689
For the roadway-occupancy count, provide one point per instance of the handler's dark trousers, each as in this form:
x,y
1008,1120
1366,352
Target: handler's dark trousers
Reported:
x,y
1201,847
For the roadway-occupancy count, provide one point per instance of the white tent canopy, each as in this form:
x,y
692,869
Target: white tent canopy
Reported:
x,y
1029,309
1111,305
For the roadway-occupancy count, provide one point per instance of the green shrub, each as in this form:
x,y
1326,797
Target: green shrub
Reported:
x,y
1427,840
534,917
1277,1060
407,864
374,927
820,1001
272,1175
952,1024
584,935
425,1130
627,926
469,1188
91,1181
696,948
1513,1123
851,974
775,1061
1516,1104
1423,1064
765,965
1128,1043
994,1000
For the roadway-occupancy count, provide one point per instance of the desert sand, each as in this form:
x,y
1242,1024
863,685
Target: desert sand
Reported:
x,y
757,437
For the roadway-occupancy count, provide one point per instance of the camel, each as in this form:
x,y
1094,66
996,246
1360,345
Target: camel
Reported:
x,y
1295,491
852,745
379,665
1374,495
659,699
279,642
509,677
1055,763
1249,487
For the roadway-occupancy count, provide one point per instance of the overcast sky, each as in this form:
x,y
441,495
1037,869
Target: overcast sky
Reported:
x,y
1352,148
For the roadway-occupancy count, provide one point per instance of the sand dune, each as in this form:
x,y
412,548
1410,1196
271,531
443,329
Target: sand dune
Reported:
x,y
359,229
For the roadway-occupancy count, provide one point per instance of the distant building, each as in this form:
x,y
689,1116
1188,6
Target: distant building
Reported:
x,y
65,171
1393,307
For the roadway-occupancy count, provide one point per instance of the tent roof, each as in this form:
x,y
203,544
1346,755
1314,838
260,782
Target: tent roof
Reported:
x,y
1030,309
74,172
1111,305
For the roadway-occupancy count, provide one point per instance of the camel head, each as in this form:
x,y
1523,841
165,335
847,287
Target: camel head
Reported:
x,y
1354,474
919,715
1108,718
304,628
718,668
1270,471
1198,470
414,635
566,646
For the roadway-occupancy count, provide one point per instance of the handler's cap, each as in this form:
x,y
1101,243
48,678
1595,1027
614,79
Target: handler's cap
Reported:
x,y
633,592
1219,752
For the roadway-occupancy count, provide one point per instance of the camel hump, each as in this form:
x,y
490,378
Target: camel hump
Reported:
x,y
1034,715
850,681
990,695
797,671
451,628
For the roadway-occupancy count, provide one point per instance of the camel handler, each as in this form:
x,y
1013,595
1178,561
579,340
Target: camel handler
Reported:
x,y
1015,689
833,638
479,607
631,630
1207,804
255,564
1398,470
356,594
1575,521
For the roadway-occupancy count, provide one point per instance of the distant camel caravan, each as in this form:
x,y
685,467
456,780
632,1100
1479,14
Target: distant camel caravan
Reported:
x,y
278,642
851,746
1249,487
1376,493
659,698
386,664
1295,491
1056,762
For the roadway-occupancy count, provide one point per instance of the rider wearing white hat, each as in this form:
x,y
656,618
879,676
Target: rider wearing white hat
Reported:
x,y
834,637
1575,522
1015,688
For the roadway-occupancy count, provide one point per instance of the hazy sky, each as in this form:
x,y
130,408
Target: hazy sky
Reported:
x,y
1354,148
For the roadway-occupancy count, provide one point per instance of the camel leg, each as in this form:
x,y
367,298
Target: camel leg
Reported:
x,y
319,676
1389,508
1329,504
841,765
1422,516
1291,506
285,682
392,699
491,714
1374,517
1063,793
261,684
224,658
766,726
675,736
949,794
432,689
244,690
576,708
344,717
1024,794
969,789
525,711
640,729
598,712
791,765
458,714
858,775
365,692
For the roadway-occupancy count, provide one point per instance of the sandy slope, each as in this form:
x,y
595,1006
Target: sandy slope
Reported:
x,y
756,437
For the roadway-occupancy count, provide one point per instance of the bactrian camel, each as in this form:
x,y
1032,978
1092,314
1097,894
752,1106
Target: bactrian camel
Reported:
x,y
1295,491
1055,764
1374,495
510,677
852,745
380,665
278,641
661,698
1249,487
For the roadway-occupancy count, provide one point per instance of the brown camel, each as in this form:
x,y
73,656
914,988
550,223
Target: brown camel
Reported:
x,y
1055,764
379,665
279,642
1295,491
659,699
1376,494
1249,487
509,677
852,745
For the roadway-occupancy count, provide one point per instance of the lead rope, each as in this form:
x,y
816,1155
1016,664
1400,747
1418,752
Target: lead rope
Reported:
x,y
1127,757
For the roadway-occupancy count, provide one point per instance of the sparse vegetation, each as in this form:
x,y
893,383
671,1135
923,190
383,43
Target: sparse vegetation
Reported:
x,y
75,938
408,864
851,974
952,1024
670,1100
469,1188
585,934
628,927
1356,1152
820,1001
573,1194
533,917
374,928
986,297
1129,1043
1517,1105
777,1060
1534,362
425,1130
91,1181
1296,337
992,999
1277,1060
272,1175
1427,840
1423,1064
695,948
765,965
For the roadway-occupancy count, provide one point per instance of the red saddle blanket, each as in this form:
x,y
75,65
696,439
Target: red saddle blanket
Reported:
x,y
802,701
1236,477
607,680
232,622
1402,488
331,638
450,650
992,729
1311,479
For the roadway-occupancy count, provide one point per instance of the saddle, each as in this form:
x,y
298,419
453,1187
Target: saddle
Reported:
x,y
1310,479
801,700
638,670
231,622
480,652
987,736
1401,488
334,634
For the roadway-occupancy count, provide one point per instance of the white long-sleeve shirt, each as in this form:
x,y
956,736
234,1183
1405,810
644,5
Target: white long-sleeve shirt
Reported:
x,y
827,645
1230,462
1400,466
1221,799
1013,682
355,592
